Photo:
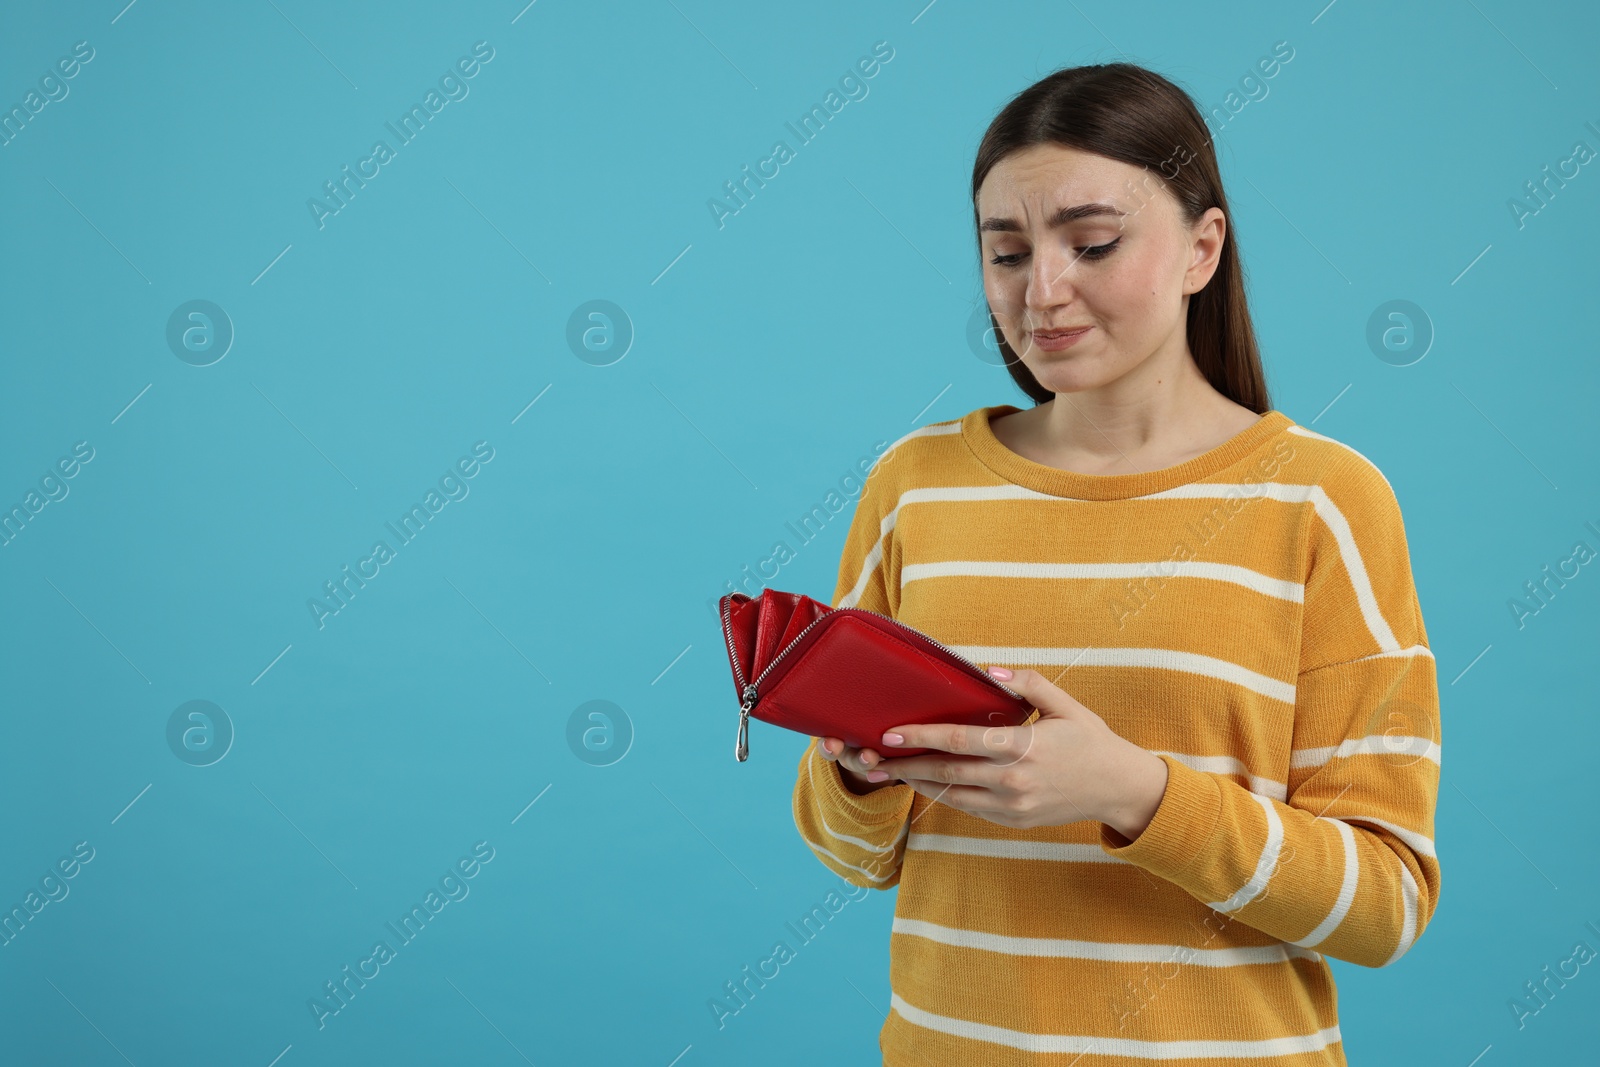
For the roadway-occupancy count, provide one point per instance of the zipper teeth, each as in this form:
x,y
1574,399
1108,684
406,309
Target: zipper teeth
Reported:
x,y
786,648
727,632
727,635
978,671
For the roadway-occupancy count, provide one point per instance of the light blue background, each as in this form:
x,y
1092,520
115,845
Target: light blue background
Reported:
x,y
828,315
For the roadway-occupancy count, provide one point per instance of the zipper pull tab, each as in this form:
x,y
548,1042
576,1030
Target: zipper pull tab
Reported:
x,y
741,747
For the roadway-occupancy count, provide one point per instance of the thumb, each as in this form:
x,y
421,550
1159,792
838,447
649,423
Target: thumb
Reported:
x,y
1036,689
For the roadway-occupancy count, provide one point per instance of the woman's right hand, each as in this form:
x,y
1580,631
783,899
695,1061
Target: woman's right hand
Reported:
x,y
854,763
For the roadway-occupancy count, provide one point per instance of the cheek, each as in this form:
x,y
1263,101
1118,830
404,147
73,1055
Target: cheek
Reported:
x,y
1136,287
1162,274
1004,294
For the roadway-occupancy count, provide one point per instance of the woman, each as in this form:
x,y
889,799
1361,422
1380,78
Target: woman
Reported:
x,y
1235,764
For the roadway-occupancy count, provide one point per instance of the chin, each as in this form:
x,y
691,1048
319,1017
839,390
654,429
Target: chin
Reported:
x,y
1071,379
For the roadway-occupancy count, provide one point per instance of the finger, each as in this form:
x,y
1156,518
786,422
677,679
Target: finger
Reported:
x,y
854,759
1041,692
1007,745
835,749
947,770
978,742
863,760
943,736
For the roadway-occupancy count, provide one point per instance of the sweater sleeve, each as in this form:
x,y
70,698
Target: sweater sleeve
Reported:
x,y
1345,864
860,838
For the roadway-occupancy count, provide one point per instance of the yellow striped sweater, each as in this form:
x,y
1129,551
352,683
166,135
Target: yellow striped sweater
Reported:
x,y
1250,617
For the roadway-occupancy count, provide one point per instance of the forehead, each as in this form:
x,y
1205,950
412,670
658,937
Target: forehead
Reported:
x,y
1032,183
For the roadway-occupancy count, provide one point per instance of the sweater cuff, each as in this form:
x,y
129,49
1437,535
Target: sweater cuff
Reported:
x,y
888,804
1184,823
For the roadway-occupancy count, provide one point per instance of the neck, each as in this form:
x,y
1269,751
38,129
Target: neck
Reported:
x,y
1163,405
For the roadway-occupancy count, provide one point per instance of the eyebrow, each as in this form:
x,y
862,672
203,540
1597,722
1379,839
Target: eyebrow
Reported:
x,y
1060,218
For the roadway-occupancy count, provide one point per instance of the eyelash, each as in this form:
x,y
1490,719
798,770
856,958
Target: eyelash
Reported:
x,y
1091,252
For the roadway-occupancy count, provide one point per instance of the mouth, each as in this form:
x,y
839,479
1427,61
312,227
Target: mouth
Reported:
x,y
1060,339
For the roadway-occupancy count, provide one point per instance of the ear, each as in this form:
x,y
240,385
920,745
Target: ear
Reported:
x,y
1207,237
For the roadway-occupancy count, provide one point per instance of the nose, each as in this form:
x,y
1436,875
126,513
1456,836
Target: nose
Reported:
x,y
1050,281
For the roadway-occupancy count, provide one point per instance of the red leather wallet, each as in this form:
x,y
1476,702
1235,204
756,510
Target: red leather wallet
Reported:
x,y
850,673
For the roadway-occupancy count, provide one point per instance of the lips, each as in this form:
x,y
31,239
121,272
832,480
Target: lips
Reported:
x,y
1059,339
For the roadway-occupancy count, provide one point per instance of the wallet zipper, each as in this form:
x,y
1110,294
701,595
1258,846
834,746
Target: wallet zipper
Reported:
x,y
747,690
749,693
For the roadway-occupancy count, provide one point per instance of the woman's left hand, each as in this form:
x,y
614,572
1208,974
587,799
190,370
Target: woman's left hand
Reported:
x,y
1065,766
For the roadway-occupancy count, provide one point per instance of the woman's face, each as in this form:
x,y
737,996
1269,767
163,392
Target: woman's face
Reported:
x,y
1093,244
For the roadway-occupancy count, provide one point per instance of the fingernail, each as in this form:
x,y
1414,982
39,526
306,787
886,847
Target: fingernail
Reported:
x,y
892,739
877,776
1000,673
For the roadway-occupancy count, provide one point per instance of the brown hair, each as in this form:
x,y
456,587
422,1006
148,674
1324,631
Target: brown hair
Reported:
x,y
1127,113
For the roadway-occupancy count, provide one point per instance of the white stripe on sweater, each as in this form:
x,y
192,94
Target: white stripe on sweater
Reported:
x,y
933,429
1371,745
1303,432
1159,658
1114,1046
1347,889
1397,653
847,838
845,863
1165,569
1408,926
1266,863
1103,951
1416,841
1231,765
1010,849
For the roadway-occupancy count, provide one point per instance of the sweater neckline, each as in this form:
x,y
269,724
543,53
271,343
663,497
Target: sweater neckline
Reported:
x,y
980,438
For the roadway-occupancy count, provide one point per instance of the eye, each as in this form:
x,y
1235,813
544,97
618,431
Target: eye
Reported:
x,y
1099,251
1089,252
